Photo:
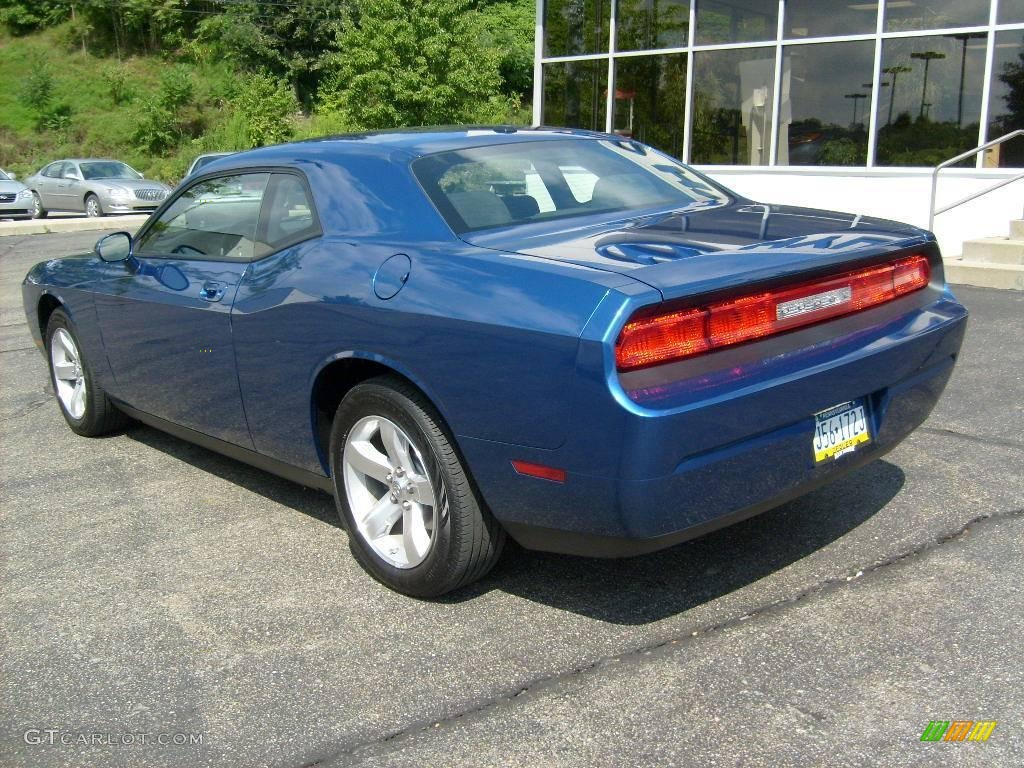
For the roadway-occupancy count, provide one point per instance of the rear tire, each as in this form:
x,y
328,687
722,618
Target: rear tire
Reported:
x,y
38,212
82,402
378,509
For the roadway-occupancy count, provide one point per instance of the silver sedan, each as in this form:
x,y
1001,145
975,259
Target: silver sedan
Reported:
x,y
97,187
15,197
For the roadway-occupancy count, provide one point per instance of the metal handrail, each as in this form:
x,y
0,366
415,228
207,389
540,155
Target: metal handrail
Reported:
x,y
932,212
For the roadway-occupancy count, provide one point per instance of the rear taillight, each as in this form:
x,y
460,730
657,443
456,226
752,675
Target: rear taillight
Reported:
x,y
653,339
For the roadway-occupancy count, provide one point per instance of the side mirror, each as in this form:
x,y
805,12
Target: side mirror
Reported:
x,y
115,247
12,176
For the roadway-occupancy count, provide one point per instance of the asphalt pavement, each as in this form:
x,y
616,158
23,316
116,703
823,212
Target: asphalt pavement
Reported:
x,y
152,590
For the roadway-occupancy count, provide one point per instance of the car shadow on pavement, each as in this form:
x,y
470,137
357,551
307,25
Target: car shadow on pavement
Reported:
x,y
633,591
309,501
652,587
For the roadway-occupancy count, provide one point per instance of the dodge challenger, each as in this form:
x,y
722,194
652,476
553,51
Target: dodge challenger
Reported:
x,y
563,337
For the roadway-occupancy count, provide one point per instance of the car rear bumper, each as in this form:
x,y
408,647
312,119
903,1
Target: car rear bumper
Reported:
x,y
751,451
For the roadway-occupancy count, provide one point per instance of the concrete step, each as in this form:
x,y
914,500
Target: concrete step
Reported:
x,y
994,250
1017,229
984,274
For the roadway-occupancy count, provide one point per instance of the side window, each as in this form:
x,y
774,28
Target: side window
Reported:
x,y
214,220
288,214
54,170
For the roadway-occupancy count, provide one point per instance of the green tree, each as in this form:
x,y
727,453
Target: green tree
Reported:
x,y
161,122
294,41
508,29
266,106
418,62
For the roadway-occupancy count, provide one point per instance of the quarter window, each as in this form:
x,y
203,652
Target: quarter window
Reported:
x,y
288,214
214,220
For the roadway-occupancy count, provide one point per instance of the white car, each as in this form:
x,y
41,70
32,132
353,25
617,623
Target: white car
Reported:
x,y
15,197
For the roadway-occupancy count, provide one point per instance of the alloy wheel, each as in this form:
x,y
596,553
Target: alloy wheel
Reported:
x,y
68,376
92,207
390,492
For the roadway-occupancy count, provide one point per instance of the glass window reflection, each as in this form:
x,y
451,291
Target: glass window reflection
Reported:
x,y
901,16
736,21
1010,11
825,18
650,100
732,106
829,93
1006,106
931,109
644,24
574,94
576,27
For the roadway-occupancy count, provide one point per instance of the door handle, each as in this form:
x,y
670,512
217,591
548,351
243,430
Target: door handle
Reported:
x,y
212,291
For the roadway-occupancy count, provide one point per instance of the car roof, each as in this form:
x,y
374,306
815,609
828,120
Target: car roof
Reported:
x,y
414,142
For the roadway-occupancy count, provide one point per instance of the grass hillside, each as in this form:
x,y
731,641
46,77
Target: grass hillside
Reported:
x,y
162,82
104,100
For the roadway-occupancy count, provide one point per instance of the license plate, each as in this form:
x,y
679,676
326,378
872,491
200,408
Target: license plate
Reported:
x,y
839,430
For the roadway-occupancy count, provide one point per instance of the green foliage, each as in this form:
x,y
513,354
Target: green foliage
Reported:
x,y
842,152
116,81
417,62
162,125
37,88
266,107
508,28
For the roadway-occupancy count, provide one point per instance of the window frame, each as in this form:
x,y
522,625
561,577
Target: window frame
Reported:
x,y
261,219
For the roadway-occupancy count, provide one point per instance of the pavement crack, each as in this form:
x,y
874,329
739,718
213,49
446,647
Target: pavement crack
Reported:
x,y
532,686
1000,441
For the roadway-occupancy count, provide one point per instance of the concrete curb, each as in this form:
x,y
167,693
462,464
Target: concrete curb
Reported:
x,y
46,226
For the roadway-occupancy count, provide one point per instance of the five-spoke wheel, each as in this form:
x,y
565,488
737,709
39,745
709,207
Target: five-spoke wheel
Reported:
x,y
68,376
83,402
389,491
414,518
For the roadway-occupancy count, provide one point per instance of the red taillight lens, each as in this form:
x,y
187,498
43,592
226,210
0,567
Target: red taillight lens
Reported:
x,y
653,339
650,339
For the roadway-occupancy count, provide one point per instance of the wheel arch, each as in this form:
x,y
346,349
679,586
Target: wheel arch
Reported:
x,y
47,305
337,377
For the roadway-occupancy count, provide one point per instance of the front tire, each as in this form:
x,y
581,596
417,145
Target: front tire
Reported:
x,y
414,518
38,212
83,403
93,209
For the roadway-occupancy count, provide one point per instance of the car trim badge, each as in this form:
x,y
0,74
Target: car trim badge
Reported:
x,y
813,303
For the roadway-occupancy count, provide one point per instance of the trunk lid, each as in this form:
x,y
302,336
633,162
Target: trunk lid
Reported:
x,y
686,252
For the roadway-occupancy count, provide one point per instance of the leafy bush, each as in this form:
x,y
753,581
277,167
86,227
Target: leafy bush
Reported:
x,y
37,89
266,107
417,62
116,82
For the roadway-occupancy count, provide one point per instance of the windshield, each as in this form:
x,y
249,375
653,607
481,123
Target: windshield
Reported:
x,y
507,184
4,176
108,169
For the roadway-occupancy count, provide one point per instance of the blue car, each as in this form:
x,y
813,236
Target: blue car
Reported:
x,y
468,334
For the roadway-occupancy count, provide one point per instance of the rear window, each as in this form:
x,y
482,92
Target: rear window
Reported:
x,y
487,187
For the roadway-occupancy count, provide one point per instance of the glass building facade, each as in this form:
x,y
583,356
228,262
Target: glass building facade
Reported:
x,y
897,83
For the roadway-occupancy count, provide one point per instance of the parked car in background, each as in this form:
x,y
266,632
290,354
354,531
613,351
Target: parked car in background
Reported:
x,y
204,160
95,186
564,337
15,197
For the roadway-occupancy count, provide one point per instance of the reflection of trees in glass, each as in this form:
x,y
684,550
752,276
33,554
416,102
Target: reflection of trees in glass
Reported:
x,y
719,133
645,24
733,22
650,102
935,14
1011,116
573,27
574,94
